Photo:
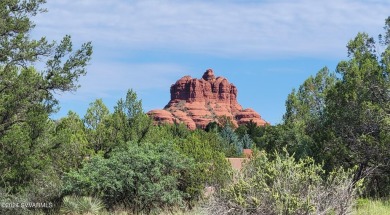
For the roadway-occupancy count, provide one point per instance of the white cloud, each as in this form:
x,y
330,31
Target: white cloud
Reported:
x,y
231,29
227,28
108,80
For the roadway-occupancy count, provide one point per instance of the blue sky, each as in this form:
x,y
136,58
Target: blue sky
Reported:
x,y
266,48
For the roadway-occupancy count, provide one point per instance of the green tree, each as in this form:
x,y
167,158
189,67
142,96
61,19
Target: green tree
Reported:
x,y
212,168
345,121
358,107
26,94
305,115
129,120
247,142
70,145
293,138
231,144
212,127
127,123
96,112
256,134
272,139
96,119
18,52
306,106
254,130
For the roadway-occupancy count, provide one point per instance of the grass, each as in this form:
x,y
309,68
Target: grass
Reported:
x,y
374,207
89,206
81,205
174,212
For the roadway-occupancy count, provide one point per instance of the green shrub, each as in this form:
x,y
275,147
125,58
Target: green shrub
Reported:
x,y
141,178
45,189
10,203
285,186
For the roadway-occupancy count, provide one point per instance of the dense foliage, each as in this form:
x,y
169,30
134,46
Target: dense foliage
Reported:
x,y
143,167
285,186
341,119
27,94
143,178
345,121
334,123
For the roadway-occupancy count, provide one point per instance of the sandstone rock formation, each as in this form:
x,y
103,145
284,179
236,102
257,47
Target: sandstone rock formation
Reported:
x,y
197,102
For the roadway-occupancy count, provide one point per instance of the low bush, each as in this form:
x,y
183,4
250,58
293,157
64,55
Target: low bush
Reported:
x,y
81,205
10,203
141,178
285,186
40,196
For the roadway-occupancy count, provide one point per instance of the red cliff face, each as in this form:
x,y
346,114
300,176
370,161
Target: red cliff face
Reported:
x,y
197,102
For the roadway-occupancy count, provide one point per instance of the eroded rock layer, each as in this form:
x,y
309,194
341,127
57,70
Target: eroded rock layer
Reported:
x,y
197,102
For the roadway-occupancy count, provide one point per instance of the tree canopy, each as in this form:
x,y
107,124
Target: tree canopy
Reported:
x,y
27,95
23,88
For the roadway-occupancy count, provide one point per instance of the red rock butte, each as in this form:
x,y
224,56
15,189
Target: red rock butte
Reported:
x,y
197,102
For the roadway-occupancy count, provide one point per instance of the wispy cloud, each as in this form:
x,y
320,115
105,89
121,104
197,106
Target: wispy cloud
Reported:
x,y
223,29
109,80
227,28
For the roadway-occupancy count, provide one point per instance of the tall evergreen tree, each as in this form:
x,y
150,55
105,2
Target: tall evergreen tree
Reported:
x,y
27,94
96,120
358,107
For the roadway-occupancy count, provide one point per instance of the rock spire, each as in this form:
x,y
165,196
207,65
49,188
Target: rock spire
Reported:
x,y
197,102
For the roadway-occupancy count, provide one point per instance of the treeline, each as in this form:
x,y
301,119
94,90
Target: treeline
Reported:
x,y
342,119
120,158
333,144
105,161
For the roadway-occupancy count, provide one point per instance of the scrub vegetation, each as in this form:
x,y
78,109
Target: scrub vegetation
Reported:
x,y
330,155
